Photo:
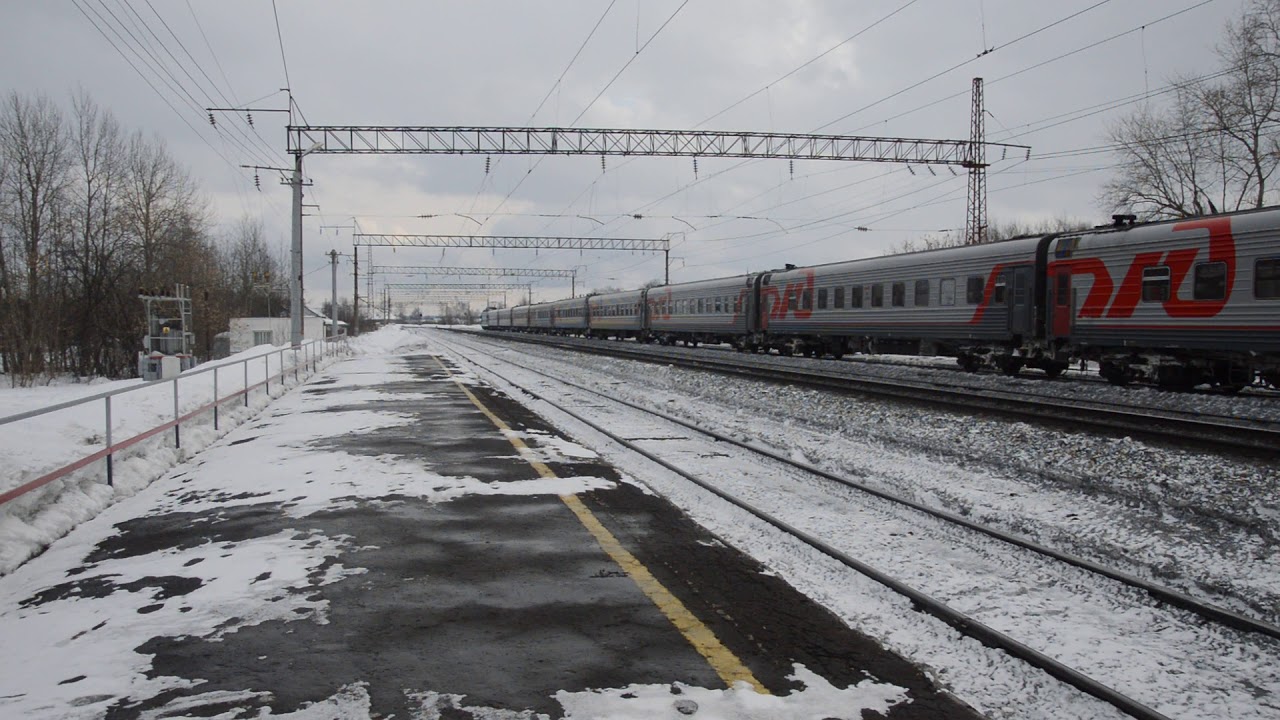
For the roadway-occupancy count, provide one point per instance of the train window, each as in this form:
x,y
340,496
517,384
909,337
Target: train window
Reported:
x,y
855,296
792,300
806,299
899,291
997,296
822,298
922,293
947,291
1211,281
838,300
1063,288
877,295
737,306
719,305
1266,279
1155,284
973,290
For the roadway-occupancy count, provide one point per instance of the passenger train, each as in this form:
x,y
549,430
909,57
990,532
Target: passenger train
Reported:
x,y
1175,303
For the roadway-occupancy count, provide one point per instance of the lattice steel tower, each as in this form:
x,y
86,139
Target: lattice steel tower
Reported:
x,y
975,227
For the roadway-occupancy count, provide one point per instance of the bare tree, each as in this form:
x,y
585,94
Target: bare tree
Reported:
x,y
996,232
1214,149
157,198
33,141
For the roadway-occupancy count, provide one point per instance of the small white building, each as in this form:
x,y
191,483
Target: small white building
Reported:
x,y
247,332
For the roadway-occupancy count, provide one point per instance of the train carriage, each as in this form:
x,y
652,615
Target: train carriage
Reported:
x,y
520,318
488,319
569,317
982,304
541,318
1177,303
707,311
617,315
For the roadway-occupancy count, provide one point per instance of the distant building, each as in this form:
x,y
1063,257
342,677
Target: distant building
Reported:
x,y
250,332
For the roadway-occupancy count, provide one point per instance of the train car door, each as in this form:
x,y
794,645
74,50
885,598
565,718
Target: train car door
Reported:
x,y
1062,310
1021,310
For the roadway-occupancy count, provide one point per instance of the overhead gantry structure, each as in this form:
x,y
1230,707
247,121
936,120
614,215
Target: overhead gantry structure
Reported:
x,y
303,140
414,140
454,291
526,242
479,272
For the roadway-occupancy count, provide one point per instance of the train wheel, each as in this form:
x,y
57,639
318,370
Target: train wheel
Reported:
x,y
1011,366
1113,373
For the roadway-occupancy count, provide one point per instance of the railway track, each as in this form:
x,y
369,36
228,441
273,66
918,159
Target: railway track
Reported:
x,y
1181,428
1004,557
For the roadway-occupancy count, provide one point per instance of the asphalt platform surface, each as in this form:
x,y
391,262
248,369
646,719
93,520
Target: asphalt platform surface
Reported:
x,y
503,599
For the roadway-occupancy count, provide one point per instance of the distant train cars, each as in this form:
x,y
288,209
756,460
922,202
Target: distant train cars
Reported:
x,y
1176,303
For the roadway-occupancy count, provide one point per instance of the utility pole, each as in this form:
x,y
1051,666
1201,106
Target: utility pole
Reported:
x,y
355,307
333,302
295,282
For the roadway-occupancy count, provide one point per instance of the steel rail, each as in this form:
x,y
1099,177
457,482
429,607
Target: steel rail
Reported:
x,y
1165,425
963,623
1165,594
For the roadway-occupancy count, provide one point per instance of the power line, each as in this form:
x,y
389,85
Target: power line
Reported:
x,y
147,80
550,90
593,100
809,62
142,24
280,37
959,65
986,52
1029,68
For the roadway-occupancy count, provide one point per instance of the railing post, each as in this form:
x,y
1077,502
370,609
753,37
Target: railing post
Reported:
x,y
177,429
110,473
266,380
295,365
216,399
245,363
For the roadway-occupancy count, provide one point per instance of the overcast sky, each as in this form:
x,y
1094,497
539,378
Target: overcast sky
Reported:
x,y
492,63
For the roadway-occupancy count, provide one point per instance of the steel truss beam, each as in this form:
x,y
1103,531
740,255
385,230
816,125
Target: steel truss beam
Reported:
x,y
391,140
510,241
483,271
455,287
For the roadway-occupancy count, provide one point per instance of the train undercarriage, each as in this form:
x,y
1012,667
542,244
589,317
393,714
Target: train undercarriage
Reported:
x,y
1183,371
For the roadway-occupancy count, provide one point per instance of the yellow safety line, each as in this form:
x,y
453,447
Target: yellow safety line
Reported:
x,y
722,660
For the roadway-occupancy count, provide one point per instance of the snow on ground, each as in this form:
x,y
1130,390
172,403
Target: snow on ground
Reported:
x,y
1201,522
91,650
35,446
1172,515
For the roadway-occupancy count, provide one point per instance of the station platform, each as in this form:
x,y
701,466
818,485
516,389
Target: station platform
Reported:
x,y
395,539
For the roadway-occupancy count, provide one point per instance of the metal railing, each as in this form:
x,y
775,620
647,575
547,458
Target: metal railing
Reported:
x,y
306,358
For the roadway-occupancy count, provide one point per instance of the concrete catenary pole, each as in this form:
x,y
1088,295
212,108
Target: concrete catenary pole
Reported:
x,y
295,289
333,301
